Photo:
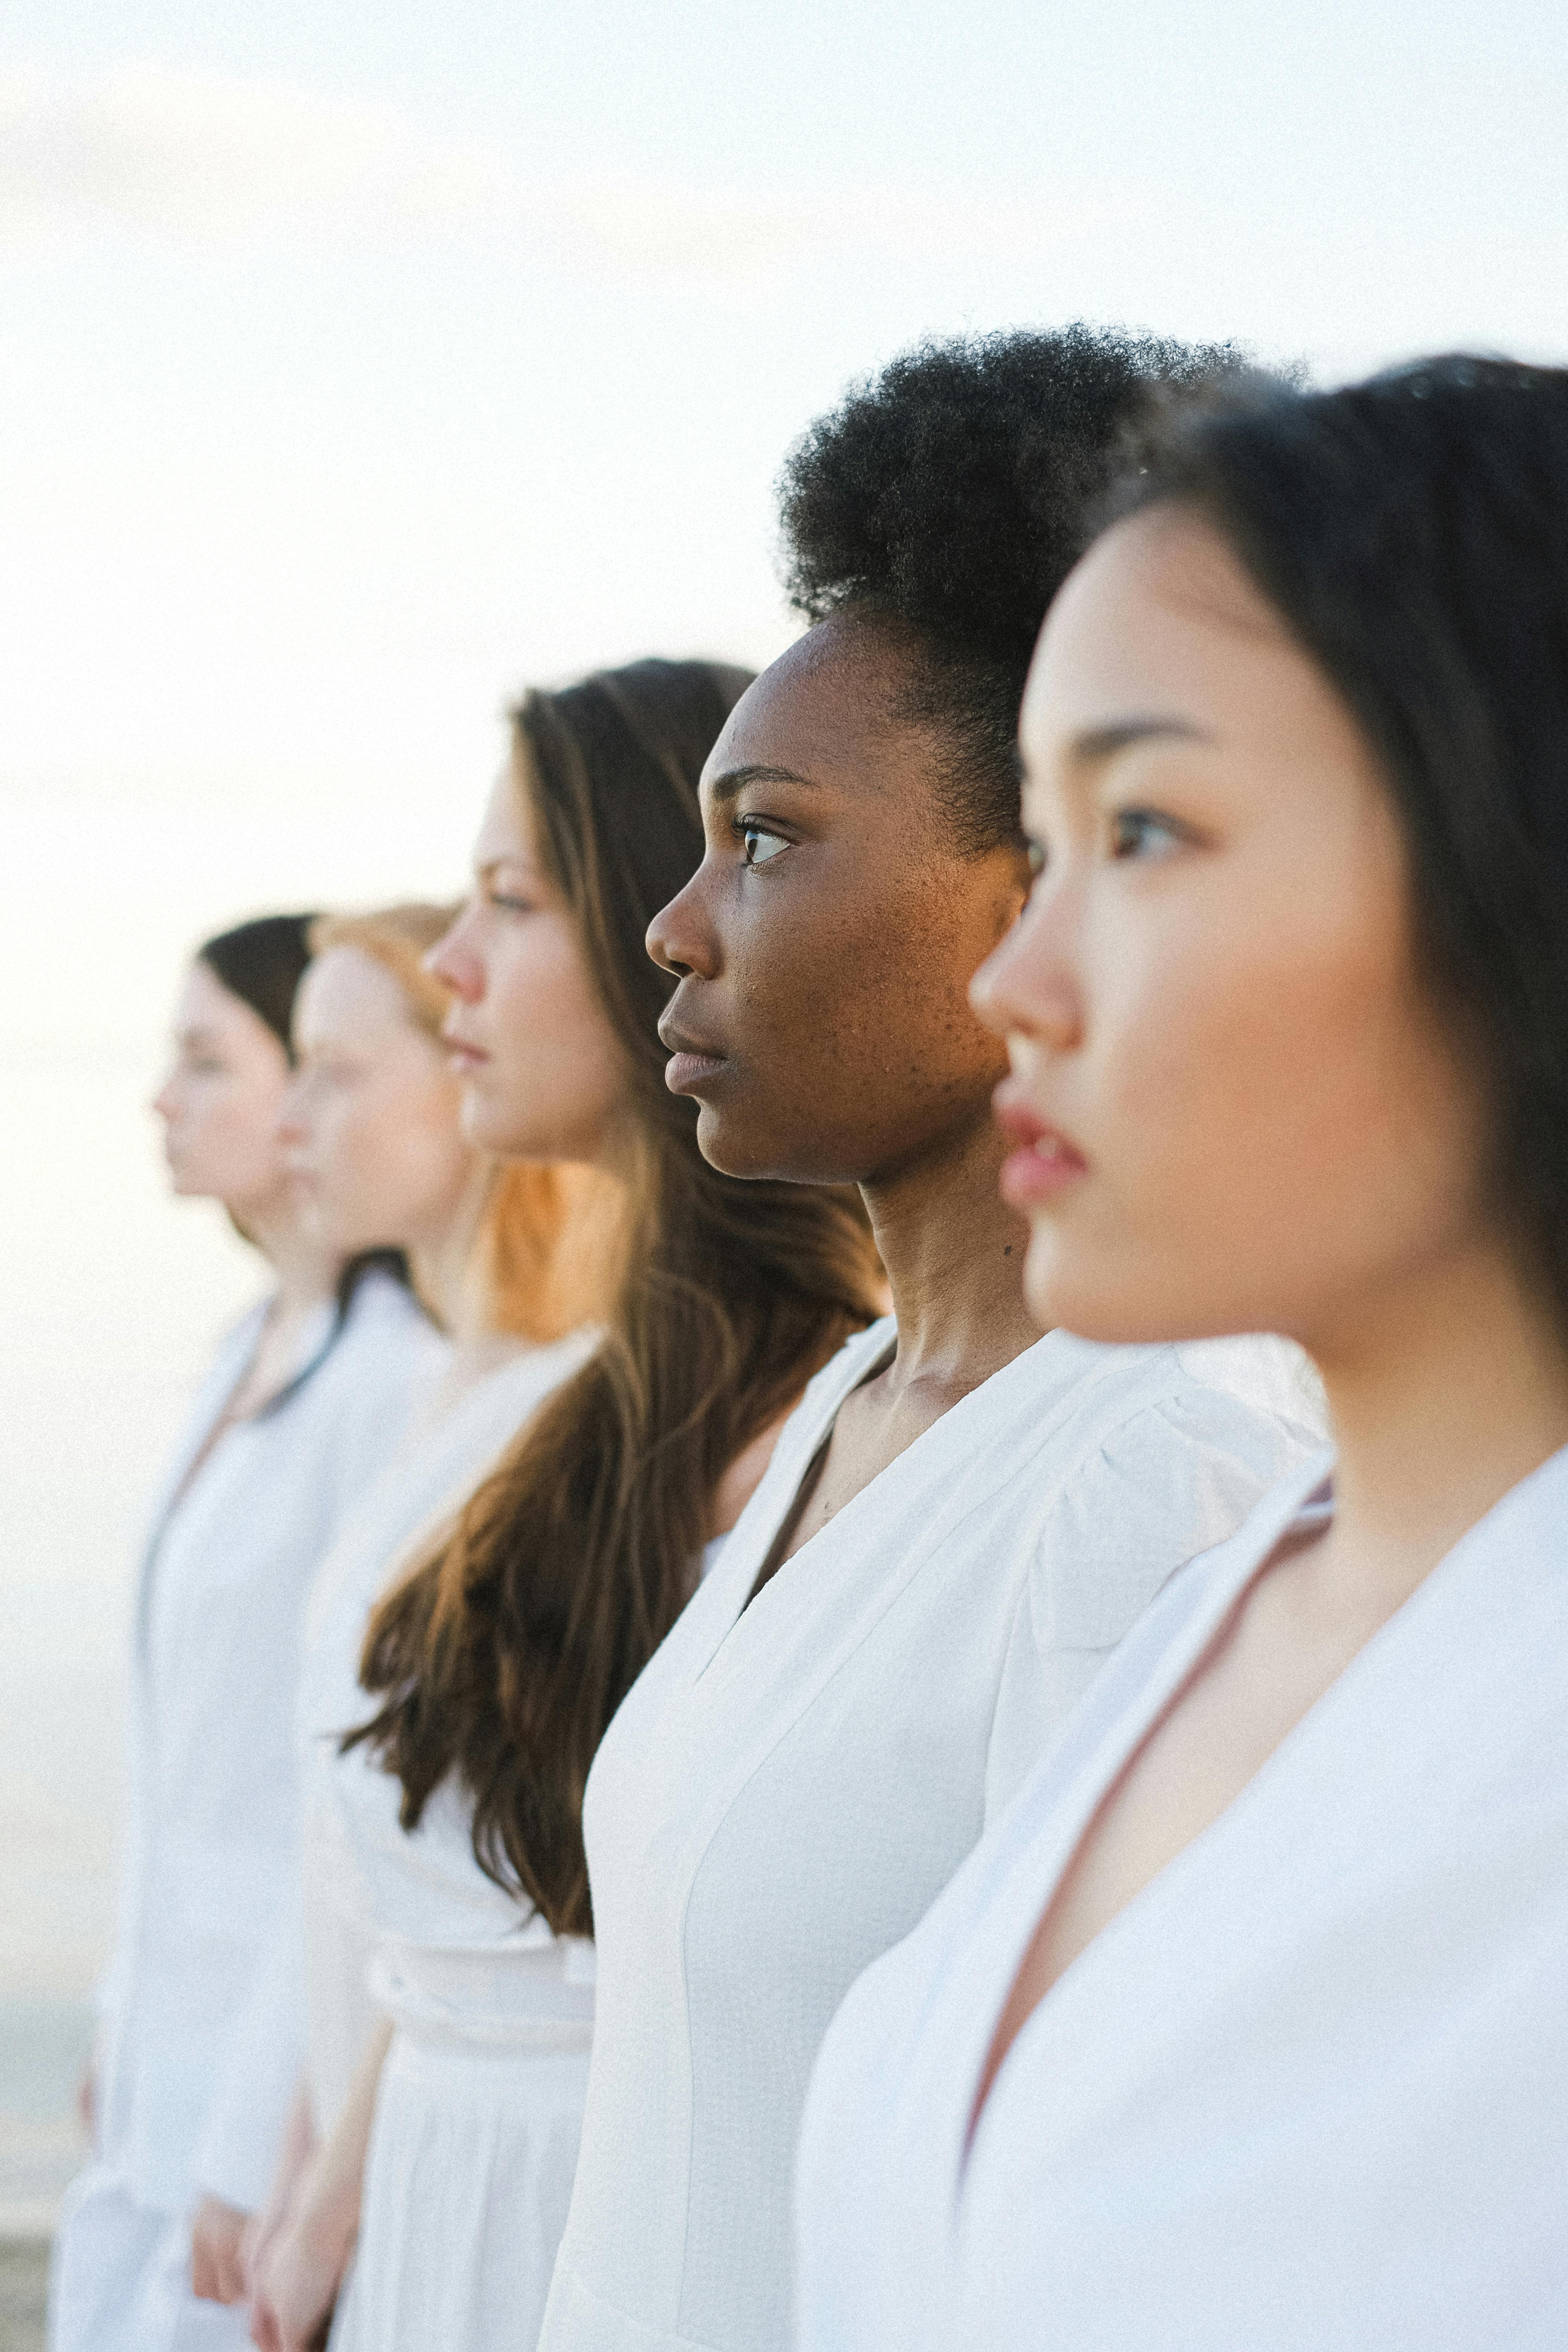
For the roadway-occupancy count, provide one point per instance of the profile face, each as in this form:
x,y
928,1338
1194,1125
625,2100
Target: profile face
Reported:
x,y
1234,1106
221,1100
542,1070
370,1120
824,946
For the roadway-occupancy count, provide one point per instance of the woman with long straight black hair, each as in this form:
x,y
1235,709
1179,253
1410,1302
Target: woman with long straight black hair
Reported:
x,y
1247,2025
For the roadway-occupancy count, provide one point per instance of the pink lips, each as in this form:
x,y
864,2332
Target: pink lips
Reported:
x,y
1045,1165
684,1073
461,1055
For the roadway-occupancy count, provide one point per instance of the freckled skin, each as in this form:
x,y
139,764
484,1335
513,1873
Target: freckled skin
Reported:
x,y
833,979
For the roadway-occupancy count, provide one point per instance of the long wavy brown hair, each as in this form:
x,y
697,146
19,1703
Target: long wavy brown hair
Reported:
x,y
503,1654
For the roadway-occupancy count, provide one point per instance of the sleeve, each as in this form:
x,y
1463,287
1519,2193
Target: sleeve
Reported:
x,y
261,2060
1178,1478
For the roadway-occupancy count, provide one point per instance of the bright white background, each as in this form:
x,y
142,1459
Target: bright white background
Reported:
x,y
360,362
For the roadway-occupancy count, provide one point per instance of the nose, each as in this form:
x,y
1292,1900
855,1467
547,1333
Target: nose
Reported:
x,y
1028,984
453,962
680,940
291,1122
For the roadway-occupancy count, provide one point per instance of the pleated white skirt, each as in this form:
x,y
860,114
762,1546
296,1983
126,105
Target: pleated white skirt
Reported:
x,y
468,2178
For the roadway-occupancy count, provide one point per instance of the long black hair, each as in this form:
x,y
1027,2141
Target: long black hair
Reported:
x,y
262,962
1413,532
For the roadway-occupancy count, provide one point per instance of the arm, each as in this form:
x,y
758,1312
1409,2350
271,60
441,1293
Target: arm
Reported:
x,y
299,2147
301,2270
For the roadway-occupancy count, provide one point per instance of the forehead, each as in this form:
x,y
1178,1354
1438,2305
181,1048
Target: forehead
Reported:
x,y
505,829
825,708
1159,619
205,1004
344,989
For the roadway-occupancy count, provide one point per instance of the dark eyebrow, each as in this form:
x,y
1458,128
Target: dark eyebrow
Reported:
x,y
1101,743
735,780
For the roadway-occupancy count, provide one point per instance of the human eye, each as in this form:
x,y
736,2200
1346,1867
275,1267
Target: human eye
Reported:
x,y
1144,833
759,841
1038,854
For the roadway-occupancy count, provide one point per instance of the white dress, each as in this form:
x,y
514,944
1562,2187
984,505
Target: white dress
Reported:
x,y
788,1785
1309,2091
435,1472
185,2099
480,2100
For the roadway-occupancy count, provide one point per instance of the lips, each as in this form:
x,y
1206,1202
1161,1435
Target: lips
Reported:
x,y
691,1063
462,1054
1045,1165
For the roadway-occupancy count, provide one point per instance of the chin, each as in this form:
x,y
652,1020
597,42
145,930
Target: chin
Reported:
x,y
488,1131
725,1146
760,1159
1114,1301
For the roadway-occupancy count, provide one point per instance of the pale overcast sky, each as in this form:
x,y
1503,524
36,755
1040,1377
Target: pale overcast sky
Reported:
x,y
360,364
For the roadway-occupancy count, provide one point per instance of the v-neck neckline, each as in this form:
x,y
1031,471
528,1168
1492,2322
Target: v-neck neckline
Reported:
x,y
741,1601
1121,1741
1112,1755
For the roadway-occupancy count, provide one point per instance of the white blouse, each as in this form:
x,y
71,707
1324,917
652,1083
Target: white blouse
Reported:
x,y
789,1784
1309,2091
421,1898
212,1819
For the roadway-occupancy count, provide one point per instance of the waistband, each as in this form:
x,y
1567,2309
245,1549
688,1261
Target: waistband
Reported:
x,y
506,2000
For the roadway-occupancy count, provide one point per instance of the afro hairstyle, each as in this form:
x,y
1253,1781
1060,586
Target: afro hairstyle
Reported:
x,y
949,497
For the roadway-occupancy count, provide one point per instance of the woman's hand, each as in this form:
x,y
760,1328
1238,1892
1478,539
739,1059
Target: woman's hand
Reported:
x,y
300,2274
300,2268
293,2157
218,2272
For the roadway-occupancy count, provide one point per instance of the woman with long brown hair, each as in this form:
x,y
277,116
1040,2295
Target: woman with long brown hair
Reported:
x,y
498,1661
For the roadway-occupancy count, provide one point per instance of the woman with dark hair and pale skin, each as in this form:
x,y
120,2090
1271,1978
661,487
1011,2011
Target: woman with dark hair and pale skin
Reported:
x,y
962,1518
1246,2026
305,1404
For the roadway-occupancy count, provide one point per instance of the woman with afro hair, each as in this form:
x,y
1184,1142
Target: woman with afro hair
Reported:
x,y
960,1519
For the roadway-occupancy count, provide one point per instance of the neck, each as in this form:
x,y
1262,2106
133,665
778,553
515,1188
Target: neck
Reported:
x,y
307,1274
954,1257
441,1261
1444,1391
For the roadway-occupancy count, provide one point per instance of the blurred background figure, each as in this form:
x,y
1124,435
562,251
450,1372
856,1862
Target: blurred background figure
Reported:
x,y
371,1125
309,1397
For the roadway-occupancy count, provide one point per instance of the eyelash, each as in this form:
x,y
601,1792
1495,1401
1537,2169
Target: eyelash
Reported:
x,y
751,829
1136,823
513,906
1142,821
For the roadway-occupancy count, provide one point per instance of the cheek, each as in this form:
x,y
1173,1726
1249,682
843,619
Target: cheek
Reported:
x,y
1272,1125
1260,1072
852,989
555,1073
